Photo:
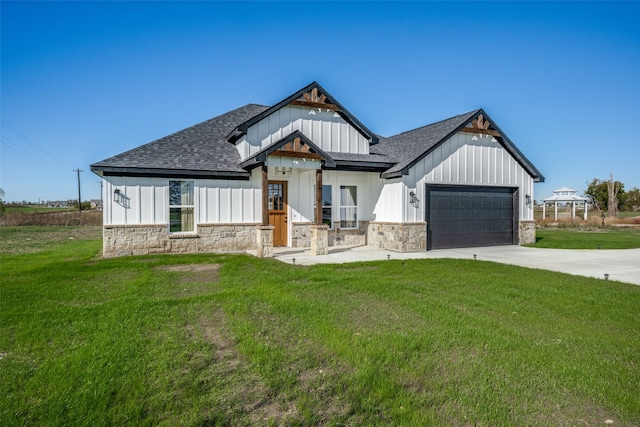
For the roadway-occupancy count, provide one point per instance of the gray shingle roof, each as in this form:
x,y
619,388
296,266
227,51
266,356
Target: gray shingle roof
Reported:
x,y
198,150
204,150
408,147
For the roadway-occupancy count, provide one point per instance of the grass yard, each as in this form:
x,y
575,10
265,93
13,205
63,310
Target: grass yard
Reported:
x,y
36,209
234,340
568,238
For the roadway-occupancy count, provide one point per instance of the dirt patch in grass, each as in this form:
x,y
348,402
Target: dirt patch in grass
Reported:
x,y
194,273
245,397
367,315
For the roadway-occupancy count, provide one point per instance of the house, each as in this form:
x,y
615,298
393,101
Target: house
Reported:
x,y
96,204
306,173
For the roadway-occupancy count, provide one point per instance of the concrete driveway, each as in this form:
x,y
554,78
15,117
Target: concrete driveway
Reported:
x,y
620,265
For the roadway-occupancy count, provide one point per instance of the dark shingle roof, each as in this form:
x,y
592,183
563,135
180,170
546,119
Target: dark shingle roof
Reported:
x,y
204,150
198,150
408,147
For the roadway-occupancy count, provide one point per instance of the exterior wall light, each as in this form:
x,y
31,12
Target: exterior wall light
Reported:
x,y
283,170
116,195
528,200
413,199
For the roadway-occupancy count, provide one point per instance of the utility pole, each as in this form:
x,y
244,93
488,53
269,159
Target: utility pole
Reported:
x,y
101,196
79,198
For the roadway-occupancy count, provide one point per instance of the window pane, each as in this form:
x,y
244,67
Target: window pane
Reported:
x,y
326,195
181,220
180,193
276,201
326,216
348,195
348,218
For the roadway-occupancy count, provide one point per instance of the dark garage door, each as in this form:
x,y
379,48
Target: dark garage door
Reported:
x,y
460,217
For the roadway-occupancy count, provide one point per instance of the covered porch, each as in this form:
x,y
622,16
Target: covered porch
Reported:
x,y
293,152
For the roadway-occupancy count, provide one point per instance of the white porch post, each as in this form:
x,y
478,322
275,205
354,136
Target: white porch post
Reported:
x,y
585,211
556,211
544,206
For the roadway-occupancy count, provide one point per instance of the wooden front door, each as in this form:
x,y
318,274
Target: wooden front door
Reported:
x,y
278,211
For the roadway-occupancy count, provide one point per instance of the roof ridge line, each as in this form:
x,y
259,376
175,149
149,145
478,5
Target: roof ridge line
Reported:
x,y
435,123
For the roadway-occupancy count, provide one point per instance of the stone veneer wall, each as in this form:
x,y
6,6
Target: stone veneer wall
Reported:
x,y
301,235
350,237
400,237
120,240
527,233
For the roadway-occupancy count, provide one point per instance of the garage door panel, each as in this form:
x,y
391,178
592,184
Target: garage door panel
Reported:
x,y
469,216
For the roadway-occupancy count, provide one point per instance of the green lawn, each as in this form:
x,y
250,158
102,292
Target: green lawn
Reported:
x,y
235,340
36,209
567,238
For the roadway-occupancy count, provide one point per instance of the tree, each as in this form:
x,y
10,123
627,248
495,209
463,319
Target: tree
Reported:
x,y
613,188
633,199
1,201
598,194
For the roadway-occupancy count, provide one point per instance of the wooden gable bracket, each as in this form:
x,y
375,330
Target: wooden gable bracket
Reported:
x,y
480,126
295,145
297,148
314,99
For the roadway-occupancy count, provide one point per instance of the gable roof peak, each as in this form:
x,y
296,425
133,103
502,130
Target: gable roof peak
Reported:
x,y
313,95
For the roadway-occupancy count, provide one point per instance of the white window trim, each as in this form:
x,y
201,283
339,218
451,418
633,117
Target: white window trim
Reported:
x,y
169,206
339,221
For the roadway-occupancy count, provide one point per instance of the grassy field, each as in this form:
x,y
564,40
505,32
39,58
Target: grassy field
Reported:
x,y
234,340
571,238
36,209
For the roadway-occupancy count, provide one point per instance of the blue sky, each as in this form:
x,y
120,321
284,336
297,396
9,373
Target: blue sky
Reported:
x,y
83,81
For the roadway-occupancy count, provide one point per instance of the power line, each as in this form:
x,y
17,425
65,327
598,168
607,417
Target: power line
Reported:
x,y
32,144
8,143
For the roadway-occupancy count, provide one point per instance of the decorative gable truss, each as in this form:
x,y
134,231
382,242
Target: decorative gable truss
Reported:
x,y
311,111
315,99
480,126
295,146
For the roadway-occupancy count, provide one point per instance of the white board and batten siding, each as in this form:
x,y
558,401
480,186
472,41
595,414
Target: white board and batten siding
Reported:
x,y
146,201
464,159
323,127
232,201
301,191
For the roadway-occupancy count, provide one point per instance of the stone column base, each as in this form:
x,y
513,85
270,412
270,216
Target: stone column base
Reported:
x,y
264,241
527,233
319,240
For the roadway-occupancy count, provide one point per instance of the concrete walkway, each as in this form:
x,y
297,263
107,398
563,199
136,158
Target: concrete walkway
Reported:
x,y
620,265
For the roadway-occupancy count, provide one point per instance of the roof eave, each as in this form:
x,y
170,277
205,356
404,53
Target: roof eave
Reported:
x,y
168,173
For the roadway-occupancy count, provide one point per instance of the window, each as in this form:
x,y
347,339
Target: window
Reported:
x,y
326,205
348,206
181,204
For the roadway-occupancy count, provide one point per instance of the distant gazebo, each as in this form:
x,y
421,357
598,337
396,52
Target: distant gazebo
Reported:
x,y
565,195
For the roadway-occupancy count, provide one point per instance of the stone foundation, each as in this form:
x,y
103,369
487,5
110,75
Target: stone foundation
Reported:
x,y
121,240
350,237
527,233
301,235
399,237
